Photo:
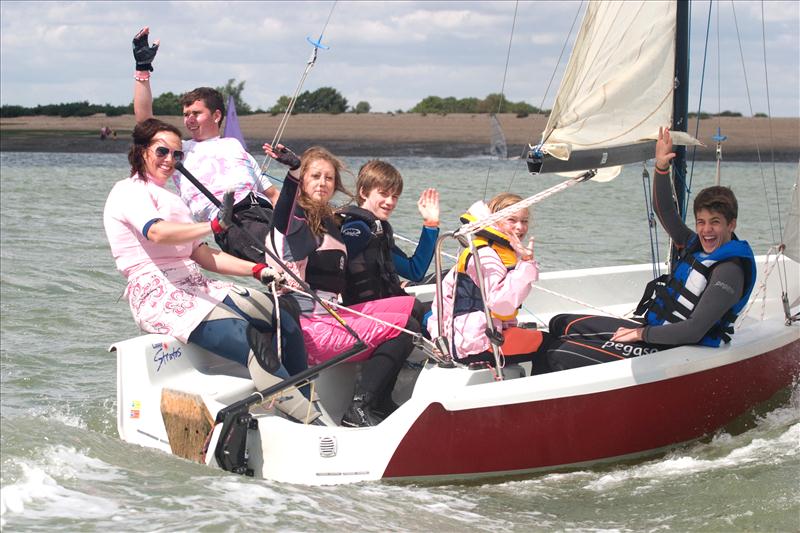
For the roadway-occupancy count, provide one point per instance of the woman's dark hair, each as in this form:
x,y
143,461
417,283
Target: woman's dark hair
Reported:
x,y
143,135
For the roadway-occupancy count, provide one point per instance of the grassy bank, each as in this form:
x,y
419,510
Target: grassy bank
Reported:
x,y
379,134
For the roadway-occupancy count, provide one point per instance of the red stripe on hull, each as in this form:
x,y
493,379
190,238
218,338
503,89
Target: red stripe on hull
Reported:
x,y
590,427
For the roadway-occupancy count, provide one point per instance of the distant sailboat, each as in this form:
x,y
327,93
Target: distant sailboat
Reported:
x,y
497,147
232,128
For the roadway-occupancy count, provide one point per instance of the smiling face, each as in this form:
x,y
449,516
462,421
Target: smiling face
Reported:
x,y
380,203
200,121
160,168
516,224
713,229
319,181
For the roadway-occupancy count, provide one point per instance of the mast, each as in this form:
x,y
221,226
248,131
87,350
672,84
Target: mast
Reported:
x,y
680,101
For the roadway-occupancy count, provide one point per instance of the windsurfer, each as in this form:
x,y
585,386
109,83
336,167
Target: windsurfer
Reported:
x,y
309,241
157,248
696,303
220,164
374,262
508,270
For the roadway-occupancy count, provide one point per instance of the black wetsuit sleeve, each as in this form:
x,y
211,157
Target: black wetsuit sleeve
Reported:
x,y
282,214
667,212
725,288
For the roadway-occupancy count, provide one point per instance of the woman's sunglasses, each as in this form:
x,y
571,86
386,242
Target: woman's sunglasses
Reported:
x,y
163,151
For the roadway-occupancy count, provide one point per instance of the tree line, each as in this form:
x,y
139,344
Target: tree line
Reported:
x,y
322,100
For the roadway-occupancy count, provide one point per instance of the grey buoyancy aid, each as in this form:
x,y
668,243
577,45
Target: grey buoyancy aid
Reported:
x,y
371,274
673,297
467,295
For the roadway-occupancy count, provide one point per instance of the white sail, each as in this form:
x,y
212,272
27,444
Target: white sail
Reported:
x,y
618,86
791,234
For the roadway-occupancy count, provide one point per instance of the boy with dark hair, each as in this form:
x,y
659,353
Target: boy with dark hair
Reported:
x,y
220,164
696,303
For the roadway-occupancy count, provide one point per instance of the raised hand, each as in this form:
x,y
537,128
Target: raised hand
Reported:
x,y
524,253
664,153
282,155
428,206
143,53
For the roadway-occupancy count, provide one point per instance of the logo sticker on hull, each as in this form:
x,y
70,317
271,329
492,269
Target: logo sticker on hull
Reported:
x,y
136,409
163,354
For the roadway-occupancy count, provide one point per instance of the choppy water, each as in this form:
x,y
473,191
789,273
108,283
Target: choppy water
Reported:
x,y
62,465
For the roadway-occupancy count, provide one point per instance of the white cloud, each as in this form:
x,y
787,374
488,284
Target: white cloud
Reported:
x,y
391,54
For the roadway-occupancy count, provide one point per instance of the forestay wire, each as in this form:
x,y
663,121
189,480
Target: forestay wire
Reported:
x,y
549,85
289,108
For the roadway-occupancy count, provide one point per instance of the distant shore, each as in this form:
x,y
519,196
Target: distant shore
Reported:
x,y
390,135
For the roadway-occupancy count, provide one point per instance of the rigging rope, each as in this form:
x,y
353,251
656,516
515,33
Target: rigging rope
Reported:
x,y
579,302
651,222
506,212
547,90
421,342
309,65
784,275
502,89
762,287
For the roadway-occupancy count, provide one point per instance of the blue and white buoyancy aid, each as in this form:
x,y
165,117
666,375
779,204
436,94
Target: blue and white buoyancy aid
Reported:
x,y
673,297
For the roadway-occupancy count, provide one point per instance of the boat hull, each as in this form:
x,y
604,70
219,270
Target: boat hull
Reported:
x,y
459,422
587,428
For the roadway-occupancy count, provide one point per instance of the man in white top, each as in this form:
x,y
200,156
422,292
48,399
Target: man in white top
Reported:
x,y
218,163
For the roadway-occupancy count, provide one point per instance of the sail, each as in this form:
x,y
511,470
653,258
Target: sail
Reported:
x,y
232,128
617,88
791,235
497,146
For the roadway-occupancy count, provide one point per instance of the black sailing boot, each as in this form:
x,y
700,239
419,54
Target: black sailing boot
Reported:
x,y
360,414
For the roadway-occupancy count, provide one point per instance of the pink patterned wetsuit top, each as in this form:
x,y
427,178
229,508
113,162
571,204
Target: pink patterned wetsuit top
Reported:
x,y
166,291
219,164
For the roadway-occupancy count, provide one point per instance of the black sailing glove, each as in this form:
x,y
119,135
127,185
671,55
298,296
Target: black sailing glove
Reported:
x,y
287,157
143,53
224,218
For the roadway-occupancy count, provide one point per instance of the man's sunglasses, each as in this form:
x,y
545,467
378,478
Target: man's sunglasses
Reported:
x,y
163,151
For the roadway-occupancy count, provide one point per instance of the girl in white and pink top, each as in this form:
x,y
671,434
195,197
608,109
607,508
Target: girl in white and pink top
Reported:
x,y
509,270
157,247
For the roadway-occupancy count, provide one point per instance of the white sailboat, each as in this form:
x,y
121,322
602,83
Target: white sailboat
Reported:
x,y
462,422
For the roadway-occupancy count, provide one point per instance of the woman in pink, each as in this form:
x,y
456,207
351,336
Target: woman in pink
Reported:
x,y
509,270
309,241
157,247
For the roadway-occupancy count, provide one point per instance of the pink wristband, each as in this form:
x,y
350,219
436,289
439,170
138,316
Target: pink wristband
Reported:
x,y
141,75
662,171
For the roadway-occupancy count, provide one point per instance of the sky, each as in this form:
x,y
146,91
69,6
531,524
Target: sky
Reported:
x,y
390,54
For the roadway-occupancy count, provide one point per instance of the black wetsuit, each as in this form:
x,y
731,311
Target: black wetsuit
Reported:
x,y
579,340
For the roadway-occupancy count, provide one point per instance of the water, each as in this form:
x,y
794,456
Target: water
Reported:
x,y
62,465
